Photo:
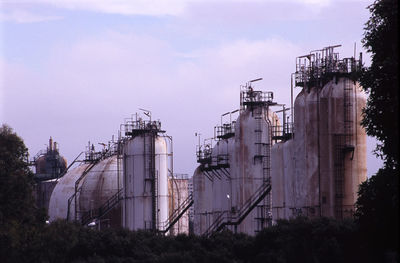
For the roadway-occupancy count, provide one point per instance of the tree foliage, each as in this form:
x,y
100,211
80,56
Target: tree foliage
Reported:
x,y
298,240
19,217
377,210
380,80
377,206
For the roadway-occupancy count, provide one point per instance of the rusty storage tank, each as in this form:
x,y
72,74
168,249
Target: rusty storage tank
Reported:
x,y
221,184
86,192
145,176
49,165
250,166
178,192
202,195
100,187
238,200
326,160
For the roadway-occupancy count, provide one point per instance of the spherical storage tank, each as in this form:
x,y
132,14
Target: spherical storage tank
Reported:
x,y
97,186
145,179
64,189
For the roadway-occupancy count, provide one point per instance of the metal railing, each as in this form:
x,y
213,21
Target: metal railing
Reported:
x,y
226,218
177,214
103,209
323,63
225,131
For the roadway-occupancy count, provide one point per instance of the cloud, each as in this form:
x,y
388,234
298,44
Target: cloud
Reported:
x,y
85,90
22,16
158,7
122,7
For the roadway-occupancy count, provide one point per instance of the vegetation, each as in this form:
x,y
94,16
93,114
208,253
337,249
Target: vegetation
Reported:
x,y
378,202
20,220
373,237
25,237
380,80
299,240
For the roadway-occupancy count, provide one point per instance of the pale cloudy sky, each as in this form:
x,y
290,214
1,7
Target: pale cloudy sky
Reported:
x,y
74,69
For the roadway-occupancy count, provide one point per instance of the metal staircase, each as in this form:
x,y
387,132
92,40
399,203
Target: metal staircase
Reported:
x,y
227,219
177,214
93,214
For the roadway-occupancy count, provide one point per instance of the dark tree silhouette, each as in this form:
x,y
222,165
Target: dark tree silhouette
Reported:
x,y
380,80
19,217
378,202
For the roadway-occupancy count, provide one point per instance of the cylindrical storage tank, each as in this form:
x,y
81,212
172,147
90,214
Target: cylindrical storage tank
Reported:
x,y
63,191
219,179
328,159
244,170
227,186
358,159
299,150
178,192
289,165
346,147
145,182
200,205
277,181
309,185
252,142
99,185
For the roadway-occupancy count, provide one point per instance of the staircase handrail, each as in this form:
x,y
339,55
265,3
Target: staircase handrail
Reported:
x,y
178,213
252,202
103,209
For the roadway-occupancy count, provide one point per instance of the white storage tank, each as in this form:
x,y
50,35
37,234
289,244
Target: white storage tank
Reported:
x,y
145,204
64,189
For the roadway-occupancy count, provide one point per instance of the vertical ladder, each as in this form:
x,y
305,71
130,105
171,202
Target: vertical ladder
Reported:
x,y
348,107
343,145
150,176
339,175
262,154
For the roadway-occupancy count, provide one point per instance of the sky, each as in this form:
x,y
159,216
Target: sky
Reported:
x,y
75,69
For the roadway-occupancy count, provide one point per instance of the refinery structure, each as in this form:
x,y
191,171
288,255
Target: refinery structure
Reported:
x,y
267,161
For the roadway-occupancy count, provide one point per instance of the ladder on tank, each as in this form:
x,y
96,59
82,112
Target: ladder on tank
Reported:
x,y
150,176
263,150
343,146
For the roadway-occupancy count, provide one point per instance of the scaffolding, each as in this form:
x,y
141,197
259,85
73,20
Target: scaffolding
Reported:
x,y
320,66
250,98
